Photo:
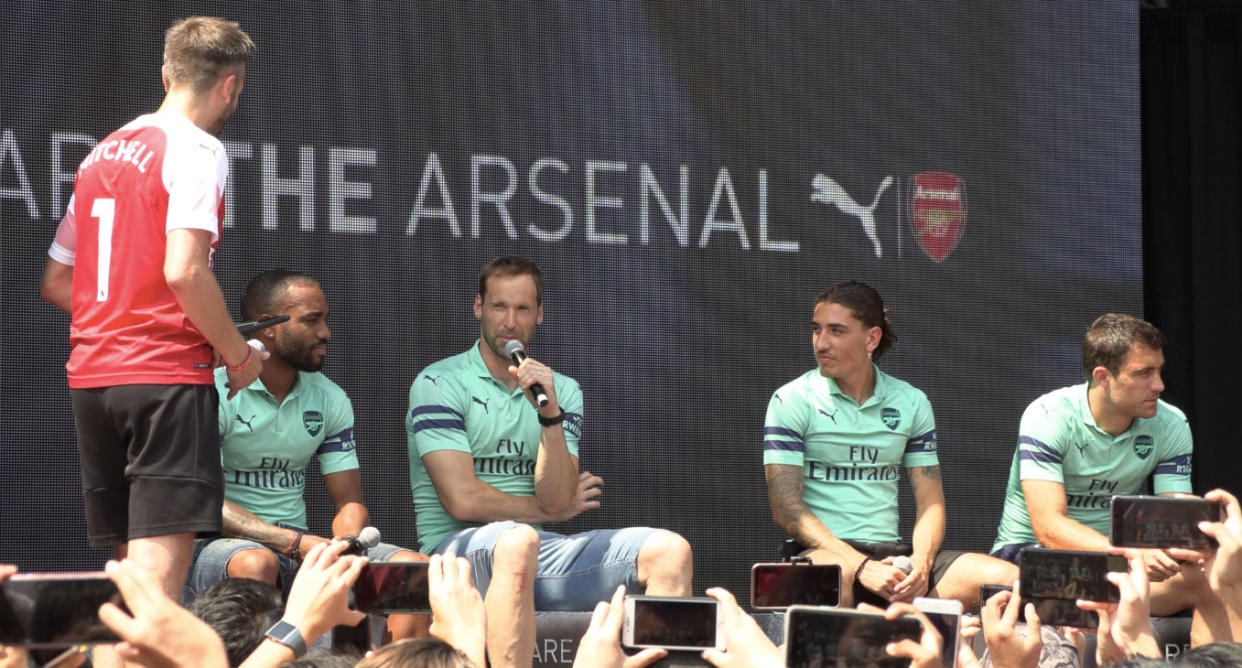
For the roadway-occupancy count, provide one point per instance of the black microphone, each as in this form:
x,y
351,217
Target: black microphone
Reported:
x,y
248,328
517,352
366,539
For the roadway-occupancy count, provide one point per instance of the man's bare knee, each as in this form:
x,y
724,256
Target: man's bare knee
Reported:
x,y
256,564
666,552
516,549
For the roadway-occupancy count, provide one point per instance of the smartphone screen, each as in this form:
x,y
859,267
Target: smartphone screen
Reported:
x,y
1062,612
670,622
774,586
1161,521
945,615
1068,574
817,636
988,591
392,586
48,610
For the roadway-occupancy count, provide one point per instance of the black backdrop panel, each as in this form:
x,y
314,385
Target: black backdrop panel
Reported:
x,y
689,175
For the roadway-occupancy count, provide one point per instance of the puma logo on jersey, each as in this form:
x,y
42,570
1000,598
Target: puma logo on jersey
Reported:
x,y
1081,449
831,416
434,380
480,402
245,422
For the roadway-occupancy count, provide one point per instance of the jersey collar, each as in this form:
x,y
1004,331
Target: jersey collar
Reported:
x,y
1088,418
881,387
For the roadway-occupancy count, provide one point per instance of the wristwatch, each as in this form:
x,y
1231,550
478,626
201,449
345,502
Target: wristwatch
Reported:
x,y
554,420
288,635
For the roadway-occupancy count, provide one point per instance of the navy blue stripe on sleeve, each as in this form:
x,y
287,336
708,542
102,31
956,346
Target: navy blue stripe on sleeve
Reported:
x,y
433,408
1179,465
342,442
1048,454
420,425
924,443
1038,457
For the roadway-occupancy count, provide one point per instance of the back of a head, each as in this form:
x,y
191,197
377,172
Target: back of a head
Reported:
x,y
267,292
324,660
200,50
429,652
240,611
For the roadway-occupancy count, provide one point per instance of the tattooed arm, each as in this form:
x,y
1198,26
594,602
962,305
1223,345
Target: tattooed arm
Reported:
x,y
792,515
929,522
241,523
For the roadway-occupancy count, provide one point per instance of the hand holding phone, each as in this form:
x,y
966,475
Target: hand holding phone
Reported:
x,y
50,610
1068,574
601,644
1128,622
1000,619
817,636
392,586
672,623
1161,522
946,616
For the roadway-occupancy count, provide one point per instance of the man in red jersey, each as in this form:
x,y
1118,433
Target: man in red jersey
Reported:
x,y
131,262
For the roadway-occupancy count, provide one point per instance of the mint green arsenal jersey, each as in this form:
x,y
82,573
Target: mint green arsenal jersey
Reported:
x,y
850,454
1059,441
265,446
455,404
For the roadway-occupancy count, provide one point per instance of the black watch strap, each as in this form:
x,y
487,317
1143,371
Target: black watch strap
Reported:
x,y
288,635
555,419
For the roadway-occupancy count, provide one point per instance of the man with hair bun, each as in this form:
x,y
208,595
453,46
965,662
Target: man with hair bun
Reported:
x,y
834,439
131,263
1081,445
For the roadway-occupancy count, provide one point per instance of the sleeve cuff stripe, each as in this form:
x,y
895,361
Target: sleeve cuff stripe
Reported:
x,y
422,425
434,408
1038,457
783,445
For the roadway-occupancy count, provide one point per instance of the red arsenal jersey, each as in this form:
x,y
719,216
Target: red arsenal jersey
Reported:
x,y
158,173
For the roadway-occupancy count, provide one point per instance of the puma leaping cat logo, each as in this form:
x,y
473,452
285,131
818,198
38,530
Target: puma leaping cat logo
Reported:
x,y
480,402
831,192
249,426
831,416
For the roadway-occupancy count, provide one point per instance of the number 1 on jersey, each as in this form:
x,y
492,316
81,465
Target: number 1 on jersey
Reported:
x,y
105,210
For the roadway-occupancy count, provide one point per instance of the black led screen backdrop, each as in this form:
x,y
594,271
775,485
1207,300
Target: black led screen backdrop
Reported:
x,y
689,175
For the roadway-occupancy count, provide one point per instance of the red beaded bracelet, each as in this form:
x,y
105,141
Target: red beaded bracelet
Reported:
x,y
239,367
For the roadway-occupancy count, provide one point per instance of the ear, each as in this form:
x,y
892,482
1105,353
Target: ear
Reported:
x,y
164,77
269,332
539,316
873,338
228,88
478,307
1100,376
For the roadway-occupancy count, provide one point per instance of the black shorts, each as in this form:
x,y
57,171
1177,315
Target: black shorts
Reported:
x,y
878,551
150,461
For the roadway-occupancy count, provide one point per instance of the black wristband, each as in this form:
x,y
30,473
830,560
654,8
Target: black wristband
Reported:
x,y
858,571
554,420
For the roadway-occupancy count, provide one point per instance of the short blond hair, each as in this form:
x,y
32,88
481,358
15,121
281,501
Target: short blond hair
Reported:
x,y
201,50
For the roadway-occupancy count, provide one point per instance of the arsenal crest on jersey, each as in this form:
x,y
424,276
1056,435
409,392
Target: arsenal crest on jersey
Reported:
x,y
937,212
313,421
1143,445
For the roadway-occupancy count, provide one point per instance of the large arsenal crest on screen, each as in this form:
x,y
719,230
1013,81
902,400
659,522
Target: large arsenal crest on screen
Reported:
x,y
937,212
